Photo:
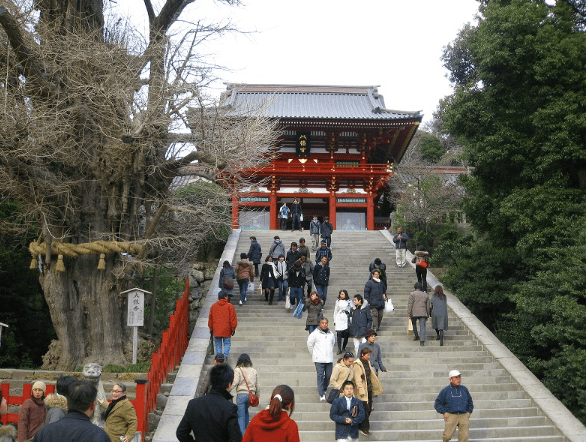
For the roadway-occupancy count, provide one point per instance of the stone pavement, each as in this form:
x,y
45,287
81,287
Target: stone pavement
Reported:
x,y
510,404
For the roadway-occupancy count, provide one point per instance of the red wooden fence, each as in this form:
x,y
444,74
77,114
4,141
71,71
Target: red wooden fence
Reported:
x,y
171,350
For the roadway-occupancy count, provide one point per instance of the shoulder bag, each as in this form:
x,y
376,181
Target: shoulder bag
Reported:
x,y
252,398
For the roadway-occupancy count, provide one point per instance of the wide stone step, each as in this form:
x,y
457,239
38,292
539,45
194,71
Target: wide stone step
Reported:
x,y
276,343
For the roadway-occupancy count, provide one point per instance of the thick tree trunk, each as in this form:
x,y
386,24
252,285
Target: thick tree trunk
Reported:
x,y
87,313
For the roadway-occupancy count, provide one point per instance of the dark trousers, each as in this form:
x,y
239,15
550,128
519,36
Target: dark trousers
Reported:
x,y
296,220
365,425
342,340
421,276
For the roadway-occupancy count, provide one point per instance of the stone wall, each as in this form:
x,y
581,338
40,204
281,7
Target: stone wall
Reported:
x,y
200,279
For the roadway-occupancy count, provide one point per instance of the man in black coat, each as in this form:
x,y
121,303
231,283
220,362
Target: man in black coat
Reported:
x,y
254,254
213,417
76,425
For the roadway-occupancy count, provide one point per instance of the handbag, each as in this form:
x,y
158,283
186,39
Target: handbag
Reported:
x,y
333,395
389,307
287,302
253,399
422,264
228,283
298,313
409,326
301,217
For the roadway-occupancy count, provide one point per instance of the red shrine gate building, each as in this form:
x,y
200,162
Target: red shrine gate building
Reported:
x,y
335,154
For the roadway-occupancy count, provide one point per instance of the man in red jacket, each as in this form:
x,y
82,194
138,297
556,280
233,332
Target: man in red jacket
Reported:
x,y
222,323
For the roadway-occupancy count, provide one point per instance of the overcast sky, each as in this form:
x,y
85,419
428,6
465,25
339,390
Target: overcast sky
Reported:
x,y
395,44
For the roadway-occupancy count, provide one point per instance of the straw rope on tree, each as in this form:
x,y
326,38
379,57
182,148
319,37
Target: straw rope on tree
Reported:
x,y
74,250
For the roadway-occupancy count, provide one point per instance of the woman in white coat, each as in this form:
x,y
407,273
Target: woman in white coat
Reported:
x,y
341,312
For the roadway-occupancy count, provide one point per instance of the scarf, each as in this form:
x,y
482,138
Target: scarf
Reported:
x,y
112,405
376,279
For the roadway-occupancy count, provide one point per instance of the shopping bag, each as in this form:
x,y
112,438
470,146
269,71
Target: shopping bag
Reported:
x,y
298,313
389,307
409,326
287,302
251,287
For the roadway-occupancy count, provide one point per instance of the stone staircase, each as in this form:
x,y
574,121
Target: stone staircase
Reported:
x,y
276,343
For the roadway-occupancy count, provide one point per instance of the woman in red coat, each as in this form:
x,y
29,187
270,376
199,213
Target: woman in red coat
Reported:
x,y
274,424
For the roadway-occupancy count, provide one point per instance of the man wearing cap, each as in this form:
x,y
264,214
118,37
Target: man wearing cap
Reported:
x,y
376,357
455,404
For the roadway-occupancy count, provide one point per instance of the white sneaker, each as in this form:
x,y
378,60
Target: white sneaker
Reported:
x,y
322,398
240,302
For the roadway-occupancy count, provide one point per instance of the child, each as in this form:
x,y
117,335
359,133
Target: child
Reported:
x,y
348,413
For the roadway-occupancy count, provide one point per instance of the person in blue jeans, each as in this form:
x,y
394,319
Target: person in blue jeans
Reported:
x,y
245,380
244,275
321,278
222,322
296,283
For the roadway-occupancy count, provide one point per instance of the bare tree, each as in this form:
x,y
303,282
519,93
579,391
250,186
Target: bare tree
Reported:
x,y
423,192
94,128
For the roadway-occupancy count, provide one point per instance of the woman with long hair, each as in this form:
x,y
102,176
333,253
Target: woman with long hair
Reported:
x,y
227,274
268,277
439,313
245,380
314,307
274,424
341,312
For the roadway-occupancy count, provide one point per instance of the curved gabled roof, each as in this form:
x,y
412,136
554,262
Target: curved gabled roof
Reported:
x,y
313,102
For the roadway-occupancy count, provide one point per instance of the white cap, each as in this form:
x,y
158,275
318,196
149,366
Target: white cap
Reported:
x,y
454,373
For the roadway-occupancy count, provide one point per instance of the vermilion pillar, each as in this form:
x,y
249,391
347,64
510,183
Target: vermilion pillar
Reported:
x,y
273,210
370,212
333,208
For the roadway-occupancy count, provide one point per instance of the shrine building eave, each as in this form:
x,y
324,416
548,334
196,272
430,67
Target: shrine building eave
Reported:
x,y
310,102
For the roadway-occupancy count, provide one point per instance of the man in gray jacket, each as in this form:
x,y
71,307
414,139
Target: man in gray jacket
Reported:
x,y
400,240
376,357
418,309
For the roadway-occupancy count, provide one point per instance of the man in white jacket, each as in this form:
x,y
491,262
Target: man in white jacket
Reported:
x,y
321,346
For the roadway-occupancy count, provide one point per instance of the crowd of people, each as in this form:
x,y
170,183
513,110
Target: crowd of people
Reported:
x,y
349,382
64,416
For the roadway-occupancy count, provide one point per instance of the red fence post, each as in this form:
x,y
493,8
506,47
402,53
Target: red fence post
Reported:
x,y
140,405
173,345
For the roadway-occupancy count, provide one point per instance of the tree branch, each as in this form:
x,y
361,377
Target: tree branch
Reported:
x,y
32,69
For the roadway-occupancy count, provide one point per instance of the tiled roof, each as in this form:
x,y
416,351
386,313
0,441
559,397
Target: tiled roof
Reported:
x,y
313,102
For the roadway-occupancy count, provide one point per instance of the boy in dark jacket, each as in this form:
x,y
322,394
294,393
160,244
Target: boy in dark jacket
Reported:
x,y
348,413
326,230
